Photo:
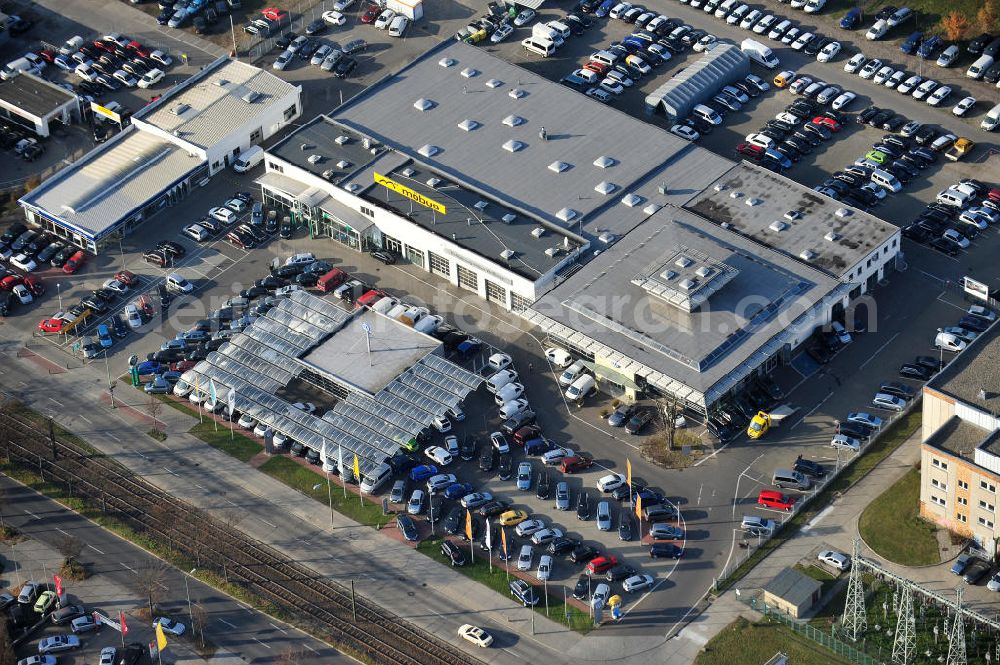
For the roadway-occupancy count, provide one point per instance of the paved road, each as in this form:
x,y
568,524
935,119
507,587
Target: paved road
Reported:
x,y
235,629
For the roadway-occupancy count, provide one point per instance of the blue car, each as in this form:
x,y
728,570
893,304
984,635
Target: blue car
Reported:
x,y
104,336
912,42
150,367
457,490
423,472
604,8
470,345
852,19
929,46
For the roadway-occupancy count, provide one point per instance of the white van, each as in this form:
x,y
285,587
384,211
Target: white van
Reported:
x,y
725,8
398,26
542,47
561,28
177,284
605,58
384,304
397,310
706,114
427,324
581,388
979,67
992,119
500,379
572,373
249,159
954,197
887,180
15,67
513,408
786,478
376,478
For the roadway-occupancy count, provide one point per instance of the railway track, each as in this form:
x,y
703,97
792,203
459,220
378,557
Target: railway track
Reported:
x,y
322,605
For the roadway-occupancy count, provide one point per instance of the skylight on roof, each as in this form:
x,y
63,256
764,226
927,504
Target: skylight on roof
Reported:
x,y
513,120
447,62
494,83
605,187
514,146
517,93
567,214
468,125
632,200
604,162
558,167
429,150
469,72
423,104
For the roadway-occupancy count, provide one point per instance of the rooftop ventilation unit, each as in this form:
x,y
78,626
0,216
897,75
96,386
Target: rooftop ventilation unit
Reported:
x,y
683,262
807,255
423,104
793,215
180,108
604,162
468,125
558,167
632,200
832,236
507,254
433,182
703,272
429,150
480,205
343,165
494,83
668,275
513,120
605,187
446,62
407,172
516,93
315,159
513,146
720,187
352,187
687,284
753,201
736,195
469,72
553,252
329,174
567,214
778,226
537,232
222,83
509,218
652,208
343,139
843,212
306,146
251,96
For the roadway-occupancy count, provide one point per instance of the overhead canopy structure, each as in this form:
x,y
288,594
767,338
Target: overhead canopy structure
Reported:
x,y
694,84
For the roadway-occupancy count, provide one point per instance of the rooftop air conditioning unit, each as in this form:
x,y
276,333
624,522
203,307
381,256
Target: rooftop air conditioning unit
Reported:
x,y
423,104
537,232
807,255
507,254
222,83
513,120
352,187
778,226
251,96
433,182
843,212
832,236
553,252
180,108
343,139
480,205
315,159
329,174
668,275
305,146
687,284
604,162
494,83
446,62
470,72
683,262
407,172
703,271
632,200
508,218
516,93
366,143
343,164
558,167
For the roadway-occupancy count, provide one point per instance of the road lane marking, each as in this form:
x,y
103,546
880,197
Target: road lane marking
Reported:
x,y
95,549
814,521
279,628
736,493
311,649
86,418
261,643
878,351
118,440
273,526
227,623
55,401
170,472
128,567
33,515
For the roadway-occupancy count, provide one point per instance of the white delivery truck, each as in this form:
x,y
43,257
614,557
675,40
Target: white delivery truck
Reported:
x,y
411,9
249,159
542,31
759,53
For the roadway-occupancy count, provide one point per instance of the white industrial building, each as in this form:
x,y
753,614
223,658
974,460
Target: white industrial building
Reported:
x,y
192,132
35,103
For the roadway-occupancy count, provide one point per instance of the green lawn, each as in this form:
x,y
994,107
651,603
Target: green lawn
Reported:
x,y
929,13
745,642
497,580
236,444
897,433
891,525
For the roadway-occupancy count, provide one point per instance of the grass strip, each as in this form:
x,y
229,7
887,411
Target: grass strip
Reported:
x,y
891,525
745,642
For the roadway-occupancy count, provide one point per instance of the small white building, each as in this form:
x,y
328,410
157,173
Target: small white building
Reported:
x,y
33,102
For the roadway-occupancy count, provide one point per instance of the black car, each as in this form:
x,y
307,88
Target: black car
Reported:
x,y
344,67
946,247
819,353
453,553
307,279
974,323
307,49
562,544
809,467
583,506
316,27
893,123
171,247
819,130
976,571
625,527
543,486
467,448
491,508
583,553
620,572
253,292
868,114
385,257
665,551
814,45
914,371
977,45
853,431
118,327
926,134
581,591
898,389
639,421
281,43
436,511
13,232
505,470
407,527
354,46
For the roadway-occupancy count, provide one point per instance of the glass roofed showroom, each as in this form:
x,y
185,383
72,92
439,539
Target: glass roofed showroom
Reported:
x,y
387,381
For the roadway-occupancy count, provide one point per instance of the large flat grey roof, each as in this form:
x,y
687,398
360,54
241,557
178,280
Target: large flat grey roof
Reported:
x,y
606,300
855,233
112,181
395,348
972,371
961,438
332,143
34,95
477,87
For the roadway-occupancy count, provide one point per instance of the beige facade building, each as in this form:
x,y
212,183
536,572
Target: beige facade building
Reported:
x,y
960,450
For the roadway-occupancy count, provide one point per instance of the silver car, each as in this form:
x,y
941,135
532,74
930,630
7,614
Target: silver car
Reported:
x,y
604,515
398,491
562,496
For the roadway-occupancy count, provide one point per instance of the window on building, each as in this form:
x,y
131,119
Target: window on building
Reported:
x,y
986,506
985,522
468,279
939,464
496,293
938,484
962,501
963,485
439,265
989,487
938,500
277,168
290,112
392,244
961,518
415,256
895,241
519,303
257,135
368,211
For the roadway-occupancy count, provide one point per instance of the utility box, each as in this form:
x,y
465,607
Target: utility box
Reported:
x,y
411,9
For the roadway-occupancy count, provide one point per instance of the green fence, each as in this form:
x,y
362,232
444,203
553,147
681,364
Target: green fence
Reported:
x,y
820,637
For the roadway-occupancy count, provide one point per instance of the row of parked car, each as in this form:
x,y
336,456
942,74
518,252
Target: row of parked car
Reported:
x,y
956,338
954,219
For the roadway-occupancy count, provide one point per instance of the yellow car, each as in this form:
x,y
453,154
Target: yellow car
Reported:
x,y
512,517
962,147
783,79
44,602
758,425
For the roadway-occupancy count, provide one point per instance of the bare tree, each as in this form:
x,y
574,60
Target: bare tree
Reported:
x,y
150,581
153,408
199,619
667,410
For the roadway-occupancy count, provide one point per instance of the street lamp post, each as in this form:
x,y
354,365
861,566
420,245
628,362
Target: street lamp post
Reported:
x,y
59,293
188,594
111,386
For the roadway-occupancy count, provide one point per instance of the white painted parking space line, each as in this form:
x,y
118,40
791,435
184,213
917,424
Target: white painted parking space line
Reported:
x,y
55,401
311,649
279,628
273,526
112,436
95,549
63,532
128,567
812,410
877,351
736,492
170,472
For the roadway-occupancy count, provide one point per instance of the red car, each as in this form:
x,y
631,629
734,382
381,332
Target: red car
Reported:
x,y
371,13
829,123
751,151
370,298
35,285
104,46
74,262
994,195
126,277
274,14
596,67
51,325
10,281
601,564
137,48
182,365
48,55
575,464
527,433
772,499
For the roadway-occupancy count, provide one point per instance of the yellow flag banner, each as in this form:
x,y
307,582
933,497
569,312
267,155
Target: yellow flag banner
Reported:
x,y
638,507
468,525
161,639
357,469
628,467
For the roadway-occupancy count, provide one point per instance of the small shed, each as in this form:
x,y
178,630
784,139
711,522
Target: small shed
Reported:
x,y
792,592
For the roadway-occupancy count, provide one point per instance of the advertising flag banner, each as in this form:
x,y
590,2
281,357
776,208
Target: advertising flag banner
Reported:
x,y
638,506
468,525
357,469
161,639
628,468
121,618
59,586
